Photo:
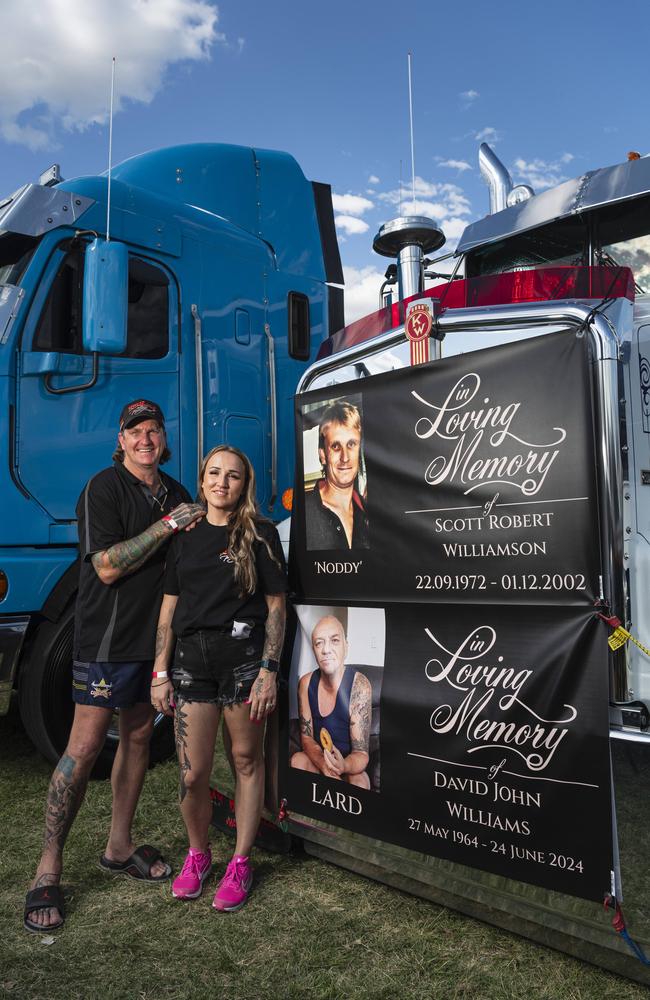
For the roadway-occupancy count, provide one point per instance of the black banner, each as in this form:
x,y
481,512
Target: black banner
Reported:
x,y
475,482
448,689
488,741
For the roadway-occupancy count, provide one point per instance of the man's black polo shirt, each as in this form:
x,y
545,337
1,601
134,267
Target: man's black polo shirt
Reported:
x,y
117,622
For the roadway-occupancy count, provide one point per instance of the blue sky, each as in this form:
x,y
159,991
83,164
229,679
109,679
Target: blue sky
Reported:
x,y
556,89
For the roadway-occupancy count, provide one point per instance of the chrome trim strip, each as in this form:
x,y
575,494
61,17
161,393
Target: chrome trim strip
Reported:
x,y
629,736
273,399
199,381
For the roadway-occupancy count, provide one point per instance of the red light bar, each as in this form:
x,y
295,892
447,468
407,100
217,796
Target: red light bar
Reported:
x,y
542,284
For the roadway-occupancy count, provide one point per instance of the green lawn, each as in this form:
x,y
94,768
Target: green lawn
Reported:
x,y
309,931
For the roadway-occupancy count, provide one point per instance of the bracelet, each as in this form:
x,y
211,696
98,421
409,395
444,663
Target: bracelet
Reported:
x,y
160,673
271,665
159,684
168,519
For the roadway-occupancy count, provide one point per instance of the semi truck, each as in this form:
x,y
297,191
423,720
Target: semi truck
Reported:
x,y
571,258
202,276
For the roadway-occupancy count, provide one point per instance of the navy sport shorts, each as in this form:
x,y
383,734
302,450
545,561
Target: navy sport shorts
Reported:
x,y
112,685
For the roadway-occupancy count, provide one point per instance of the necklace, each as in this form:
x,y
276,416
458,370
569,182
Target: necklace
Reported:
x,y
156,498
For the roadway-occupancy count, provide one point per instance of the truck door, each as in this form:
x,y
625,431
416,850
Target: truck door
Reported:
x,y
66,426
235,363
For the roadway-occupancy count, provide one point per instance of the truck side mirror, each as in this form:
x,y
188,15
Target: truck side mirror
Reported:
x,y
105,297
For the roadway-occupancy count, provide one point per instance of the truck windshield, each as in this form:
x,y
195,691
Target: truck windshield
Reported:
x,y
15,253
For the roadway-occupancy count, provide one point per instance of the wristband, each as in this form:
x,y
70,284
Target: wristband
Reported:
x,y
159,673
168,519
271,665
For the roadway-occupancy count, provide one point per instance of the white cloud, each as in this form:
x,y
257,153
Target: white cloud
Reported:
x,y
469,96
460,165
350,224
373,179
453,229
445,203
362,286
488,134
540,173
55,67
450,199
635,254
351,204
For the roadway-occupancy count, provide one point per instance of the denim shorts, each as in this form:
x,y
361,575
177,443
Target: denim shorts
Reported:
x,y
111,685
215,666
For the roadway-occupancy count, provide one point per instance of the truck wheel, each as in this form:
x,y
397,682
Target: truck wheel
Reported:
x,y
45,700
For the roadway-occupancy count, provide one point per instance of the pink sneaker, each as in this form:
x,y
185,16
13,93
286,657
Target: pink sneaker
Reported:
x,y
196,869
232,891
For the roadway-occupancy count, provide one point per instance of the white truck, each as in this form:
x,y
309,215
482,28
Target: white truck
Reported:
x,y
576,258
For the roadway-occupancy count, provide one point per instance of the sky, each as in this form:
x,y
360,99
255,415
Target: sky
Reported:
x,y
556,89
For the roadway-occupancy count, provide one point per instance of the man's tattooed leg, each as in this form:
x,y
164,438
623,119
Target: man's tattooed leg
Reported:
x,y
65,795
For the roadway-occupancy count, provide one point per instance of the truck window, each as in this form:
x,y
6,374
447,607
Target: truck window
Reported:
x,y
634,254
59,327
148,319
15,253
299,326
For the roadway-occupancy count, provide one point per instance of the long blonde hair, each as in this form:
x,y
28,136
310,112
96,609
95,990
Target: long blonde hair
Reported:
x,y
242,523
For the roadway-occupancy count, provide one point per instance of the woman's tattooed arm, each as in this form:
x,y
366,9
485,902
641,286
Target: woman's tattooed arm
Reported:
x,y
164,634
274,627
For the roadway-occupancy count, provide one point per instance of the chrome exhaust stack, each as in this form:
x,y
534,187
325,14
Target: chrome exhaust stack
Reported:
x,y
496,176
498,179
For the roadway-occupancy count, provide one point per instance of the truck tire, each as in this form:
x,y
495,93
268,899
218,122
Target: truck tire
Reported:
x,y
45,700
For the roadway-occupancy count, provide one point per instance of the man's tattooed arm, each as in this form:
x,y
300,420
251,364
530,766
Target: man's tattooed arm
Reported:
x,y
305,726
274,626
360,715
308,744
127,556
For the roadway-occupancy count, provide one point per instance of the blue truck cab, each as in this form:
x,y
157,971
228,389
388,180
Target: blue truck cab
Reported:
x,y
232,262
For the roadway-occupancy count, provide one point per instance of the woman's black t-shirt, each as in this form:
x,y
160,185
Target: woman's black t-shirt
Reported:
x,y
202,574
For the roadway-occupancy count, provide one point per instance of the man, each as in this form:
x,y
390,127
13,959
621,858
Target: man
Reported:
x,y
335,513
126,515
335,709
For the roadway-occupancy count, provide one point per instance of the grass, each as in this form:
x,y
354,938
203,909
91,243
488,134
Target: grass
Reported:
x,y
310,931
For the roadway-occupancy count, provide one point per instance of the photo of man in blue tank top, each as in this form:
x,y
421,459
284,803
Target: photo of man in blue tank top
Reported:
x,y
335,710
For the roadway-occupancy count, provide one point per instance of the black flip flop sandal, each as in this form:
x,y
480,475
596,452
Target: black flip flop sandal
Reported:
x,y
138,865
45,897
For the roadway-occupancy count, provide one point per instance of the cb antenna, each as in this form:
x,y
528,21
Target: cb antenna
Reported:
x,y
110,154
411,122
400,188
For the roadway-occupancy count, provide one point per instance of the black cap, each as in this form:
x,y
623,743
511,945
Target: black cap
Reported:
x,y
139,410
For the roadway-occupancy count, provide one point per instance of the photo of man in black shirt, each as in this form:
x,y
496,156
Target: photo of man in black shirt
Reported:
x,y
126,515
335,511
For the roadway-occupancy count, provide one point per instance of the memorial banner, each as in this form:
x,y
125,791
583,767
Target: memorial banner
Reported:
x,y
472,734
473,479
448,689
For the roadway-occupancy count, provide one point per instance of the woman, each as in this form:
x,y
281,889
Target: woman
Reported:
x,y
224,601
